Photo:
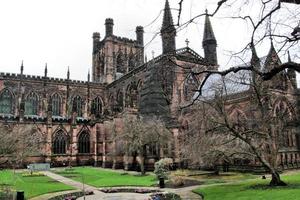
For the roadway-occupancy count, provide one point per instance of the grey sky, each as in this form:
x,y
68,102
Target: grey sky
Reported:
x,y
59,31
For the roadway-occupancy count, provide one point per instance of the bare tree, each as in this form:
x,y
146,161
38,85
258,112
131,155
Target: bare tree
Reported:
x,y
259,132
138,134
18,142
268,19
252,129
202,146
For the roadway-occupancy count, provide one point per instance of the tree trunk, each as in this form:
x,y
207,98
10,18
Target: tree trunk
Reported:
x,y
142,164
276,181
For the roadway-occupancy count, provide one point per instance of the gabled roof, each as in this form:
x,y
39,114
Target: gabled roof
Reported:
x,y
187,54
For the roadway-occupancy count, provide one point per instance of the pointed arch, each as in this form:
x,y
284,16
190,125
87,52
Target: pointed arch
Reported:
x,y
131,95
56,104
84,143
119,101
111,102
283,108
77,105
97,106
6,101
31,104
238,117
131,62
59,142
120,63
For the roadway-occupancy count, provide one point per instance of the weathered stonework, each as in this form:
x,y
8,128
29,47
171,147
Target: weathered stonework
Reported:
x,y
122,82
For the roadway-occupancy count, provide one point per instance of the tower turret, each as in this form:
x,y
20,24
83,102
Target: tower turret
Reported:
x,y
168,31
291,73
109,27
209,42
96,39
140,35
45,71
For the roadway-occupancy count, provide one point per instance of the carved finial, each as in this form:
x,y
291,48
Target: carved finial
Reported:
x,y
187,42
46,71
289,57
22,67
206,11
89,76
68,73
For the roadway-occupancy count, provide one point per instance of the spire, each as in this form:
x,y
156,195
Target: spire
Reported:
x,y
46,71
289,57
167,25
291,73
88,77
168,31
68,73
209,42
208,30
272,59
22,67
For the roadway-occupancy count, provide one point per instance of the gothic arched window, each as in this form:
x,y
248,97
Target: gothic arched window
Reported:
x,y
77,105
31,104
59,144
56,104
120,63
131,63
131,96
119,103
6,102
190,87
84,142
96,107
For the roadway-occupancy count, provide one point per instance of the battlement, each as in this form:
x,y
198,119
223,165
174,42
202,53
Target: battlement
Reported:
x,y
124,39
25,77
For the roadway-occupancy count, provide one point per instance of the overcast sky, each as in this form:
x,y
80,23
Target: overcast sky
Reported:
x,y
59,32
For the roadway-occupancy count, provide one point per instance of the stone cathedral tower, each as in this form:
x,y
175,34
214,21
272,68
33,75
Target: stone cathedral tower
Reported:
x,y
114,56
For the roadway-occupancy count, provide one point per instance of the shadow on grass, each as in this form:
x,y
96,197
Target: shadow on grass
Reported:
x,y
268,187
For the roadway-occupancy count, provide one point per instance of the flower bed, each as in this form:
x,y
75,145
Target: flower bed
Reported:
x,y
129,190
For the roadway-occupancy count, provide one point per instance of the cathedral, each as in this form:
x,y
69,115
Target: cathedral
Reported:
x,y
74,116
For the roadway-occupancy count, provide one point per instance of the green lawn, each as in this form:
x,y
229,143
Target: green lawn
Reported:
x,y
31,185
253,189
106,178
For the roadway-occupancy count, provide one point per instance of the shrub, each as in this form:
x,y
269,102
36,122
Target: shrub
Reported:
x,y
161,168
30,174
177,181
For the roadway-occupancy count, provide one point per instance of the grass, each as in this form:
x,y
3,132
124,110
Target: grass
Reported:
x,y
207,178
31,185
253,189
106,178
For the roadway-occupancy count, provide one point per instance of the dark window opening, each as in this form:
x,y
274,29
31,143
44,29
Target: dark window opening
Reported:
x,y
31,104
59,143
56,105
84,143
77,106
6,104
96,107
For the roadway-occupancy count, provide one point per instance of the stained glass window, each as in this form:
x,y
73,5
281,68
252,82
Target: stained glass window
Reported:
x,y
6,102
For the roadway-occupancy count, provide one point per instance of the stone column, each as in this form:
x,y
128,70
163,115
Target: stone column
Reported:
x,y
48,144
73,145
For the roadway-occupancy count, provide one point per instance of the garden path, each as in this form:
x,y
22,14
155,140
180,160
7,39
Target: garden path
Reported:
x,y
186,192
73,183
